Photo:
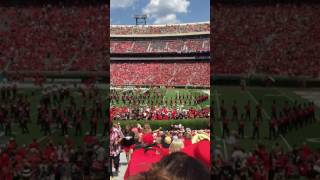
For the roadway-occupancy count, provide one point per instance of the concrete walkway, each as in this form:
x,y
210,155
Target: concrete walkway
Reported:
x,y
122,168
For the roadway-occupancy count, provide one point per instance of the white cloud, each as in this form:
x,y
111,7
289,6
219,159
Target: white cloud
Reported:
x,y
121,3
168,19
165,11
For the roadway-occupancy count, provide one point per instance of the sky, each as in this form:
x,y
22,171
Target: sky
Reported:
x,y
160,11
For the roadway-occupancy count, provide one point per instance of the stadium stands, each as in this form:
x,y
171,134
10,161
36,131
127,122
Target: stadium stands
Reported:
x,y
31,38
165,39
160,29
183,45
278,39
155,73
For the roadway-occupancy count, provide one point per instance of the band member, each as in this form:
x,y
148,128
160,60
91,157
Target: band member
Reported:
x,y
223,110
65,123
225,127
46,124
234,111
241,127
24,123
274,109
78,125
256,129
272,128
8,130
248,111
259,110
94,125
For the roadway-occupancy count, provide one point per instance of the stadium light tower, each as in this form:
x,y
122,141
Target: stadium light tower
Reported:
x,y
141,19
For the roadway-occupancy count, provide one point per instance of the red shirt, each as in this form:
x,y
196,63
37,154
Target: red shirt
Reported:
x,y
241,124
247,107
12,146
141,162
89,140
34,144
258,176
5,160
65,121
68,142
187,142
47,152
225,122
273,123
22,152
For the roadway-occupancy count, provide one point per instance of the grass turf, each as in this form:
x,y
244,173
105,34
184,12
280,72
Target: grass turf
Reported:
x,y
56,133
172,92
267,95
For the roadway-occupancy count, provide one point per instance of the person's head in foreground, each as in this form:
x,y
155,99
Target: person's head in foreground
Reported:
x,y
176,145
176,166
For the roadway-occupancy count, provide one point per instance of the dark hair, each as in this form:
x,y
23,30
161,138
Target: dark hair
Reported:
x,y
176,166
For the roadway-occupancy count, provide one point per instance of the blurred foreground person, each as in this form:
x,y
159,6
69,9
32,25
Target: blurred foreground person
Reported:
x,y
176,166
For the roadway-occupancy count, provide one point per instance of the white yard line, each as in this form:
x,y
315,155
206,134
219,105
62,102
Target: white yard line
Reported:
x,y
284,95
44,137
219,115
194,100
12,133
267,115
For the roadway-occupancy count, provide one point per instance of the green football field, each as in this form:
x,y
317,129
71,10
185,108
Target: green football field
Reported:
x,y
309,134
56,136
169,93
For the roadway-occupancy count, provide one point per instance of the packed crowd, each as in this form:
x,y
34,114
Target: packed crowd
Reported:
x,y
157,113
31,37
160,29
181,45
145,148
171,74
53,161
279,39
261,163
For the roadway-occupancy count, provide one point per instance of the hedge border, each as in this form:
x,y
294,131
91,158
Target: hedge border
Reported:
x,y
201,123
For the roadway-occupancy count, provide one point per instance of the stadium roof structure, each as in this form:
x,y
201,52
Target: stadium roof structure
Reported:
x,y
141,19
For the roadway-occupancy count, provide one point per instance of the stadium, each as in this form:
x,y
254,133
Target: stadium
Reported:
x,y
53,122
266,93
160,76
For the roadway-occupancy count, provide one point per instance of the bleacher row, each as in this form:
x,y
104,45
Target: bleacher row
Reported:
x,y
279,39
53,38
169,74
181,45
160,29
